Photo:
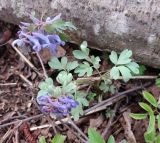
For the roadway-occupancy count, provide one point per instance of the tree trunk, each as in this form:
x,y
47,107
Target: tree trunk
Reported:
x,y
105,24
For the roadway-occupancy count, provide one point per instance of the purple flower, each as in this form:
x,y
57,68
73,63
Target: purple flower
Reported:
x,y
60,106
39,41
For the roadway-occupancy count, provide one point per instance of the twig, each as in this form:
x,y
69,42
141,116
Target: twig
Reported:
x,y
77,128
109,124
52,123
16,136
12,118
126,123
27,119
87,79
103,104
25,59
6,135
8,84
84,141
26,80
41,62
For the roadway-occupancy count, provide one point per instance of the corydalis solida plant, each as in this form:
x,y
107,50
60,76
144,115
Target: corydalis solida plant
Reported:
x,y
43,34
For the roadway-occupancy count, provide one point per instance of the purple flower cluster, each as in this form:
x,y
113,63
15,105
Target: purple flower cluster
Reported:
x,y
37,38
60,106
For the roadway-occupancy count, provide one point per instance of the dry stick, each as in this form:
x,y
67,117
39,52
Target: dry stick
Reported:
x,y
112,100
26,60
26,80
12,118
6,135
75,133
27,119
8,84
80,133
41,62
52,123
77,128
109,124
120,78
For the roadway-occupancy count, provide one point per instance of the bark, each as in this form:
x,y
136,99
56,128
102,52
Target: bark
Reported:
x,y
105,24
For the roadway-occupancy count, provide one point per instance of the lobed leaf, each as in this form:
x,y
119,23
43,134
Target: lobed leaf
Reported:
x,y
114,73
94,136
126,73
111,139
83,69
124,57
55,63
113,57
79,54
42,139
134,67
58,139
77,112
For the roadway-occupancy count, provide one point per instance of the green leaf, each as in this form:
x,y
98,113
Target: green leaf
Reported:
x,y
64,61
46,86
70,26
94,136
84,48
111,139
81,98
55,63
151,125
71,65
76,112
57,91
158,119
142,70
150,98
58,139
79,54
124,57
150,137
134,67
95,62
64,78
59,26
126,73
69,88
157,139
83,69
114,73
138,116
104,87
64,37
147,108
123,141
42,92
83,45
42,139
113,57
158,82
91,96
